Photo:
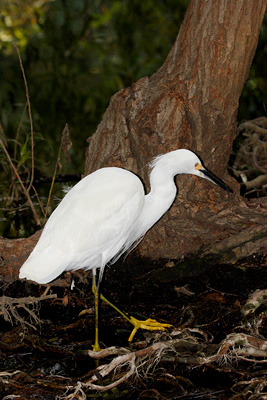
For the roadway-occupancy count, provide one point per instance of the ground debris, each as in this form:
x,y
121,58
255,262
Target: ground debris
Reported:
x,y
213,350
140,363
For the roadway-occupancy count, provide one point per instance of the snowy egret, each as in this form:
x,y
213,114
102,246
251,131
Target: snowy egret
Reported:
x,y
104,215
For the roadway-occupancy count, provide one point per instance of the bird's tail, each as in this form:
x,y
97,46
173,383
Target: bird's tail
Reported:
x,y
43,266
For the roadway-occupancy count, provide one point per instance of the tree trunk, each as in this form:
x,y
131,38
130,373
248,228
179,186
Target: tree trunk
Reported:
x,y
190,102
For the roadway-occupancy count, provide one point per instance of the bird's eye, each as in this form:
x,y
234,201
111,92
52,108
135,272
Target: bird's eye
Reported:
x,y
198,166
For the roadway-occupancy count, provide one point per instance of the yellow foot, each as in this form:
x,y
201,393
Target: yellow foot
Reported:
x,y
96,347
149,324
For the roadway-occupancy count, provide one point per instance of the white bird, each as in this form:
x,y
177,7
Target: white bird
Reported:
x,y
104,215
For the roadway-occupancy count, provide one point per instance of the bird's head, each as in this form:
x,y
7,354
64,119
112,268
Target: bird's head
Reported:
x,y
183,161
193,165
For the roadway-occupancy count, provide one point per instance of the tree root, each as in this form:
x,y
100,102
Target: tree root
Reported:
x,y
132,364
254,302
160,360
239,346
9,309
255,389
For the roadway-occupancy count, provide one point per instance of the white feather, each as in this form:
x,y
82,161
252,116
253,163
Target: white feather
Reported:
x,y
104,215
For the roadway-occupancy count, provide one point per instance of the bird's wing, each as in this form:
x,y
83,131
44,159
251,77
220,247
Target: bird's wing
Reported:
x,y
91,224
97,209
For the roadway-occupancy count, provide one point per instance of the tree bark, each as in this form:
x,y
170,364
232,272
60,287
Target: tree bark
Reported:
x,y
190,102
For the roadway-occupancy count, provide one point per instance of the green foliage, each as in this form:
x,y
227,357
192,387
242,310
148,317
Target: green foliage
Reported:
x,y
76,54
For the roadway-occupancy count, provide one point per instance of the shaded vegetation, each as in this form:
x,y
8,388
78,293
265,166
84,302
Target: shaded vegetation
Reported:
x,y
76,55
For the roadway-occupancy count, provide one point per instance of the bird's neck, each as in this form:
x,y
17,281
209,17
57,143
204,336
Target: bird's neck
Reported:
x,y
159,199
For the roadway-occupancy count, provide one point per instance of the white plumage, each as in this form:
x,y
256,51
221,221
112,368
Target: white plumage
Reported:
x,y
105,214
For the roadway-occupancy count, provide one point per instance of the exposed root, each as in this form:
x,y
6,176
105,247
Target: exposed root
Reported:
x,y
131,364
161,361
9,309
254,389
133,361
78,394
257,298
239,346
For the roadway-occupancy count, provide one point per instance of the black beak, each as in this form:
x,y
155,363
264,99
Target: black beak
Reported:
x,y
216,180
